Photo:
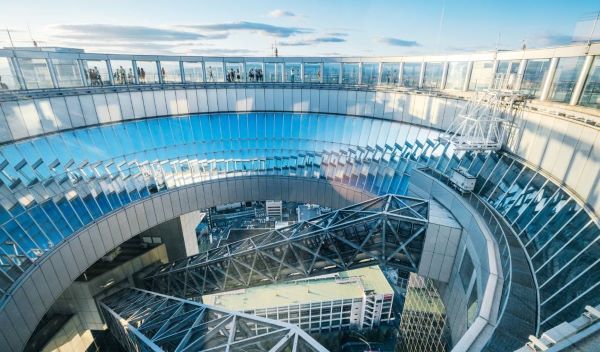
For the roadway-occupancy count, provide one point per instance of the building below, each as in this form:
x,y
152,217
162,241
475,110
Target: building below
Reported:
x,y
360,298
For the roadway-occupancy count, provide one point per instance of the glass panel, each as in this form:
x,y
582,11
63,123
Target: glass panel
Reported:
x,y
472,306
312,73
481,76
170,71
8,78
433,75
214,71
292,72
67,72
591,91
192,72
370,72
254,72
274,72
506,74
466,270
235,72
565,78
411,72
390,73
96,72
122,71
534,75
36,73
455,78
147,71
350,73
331,72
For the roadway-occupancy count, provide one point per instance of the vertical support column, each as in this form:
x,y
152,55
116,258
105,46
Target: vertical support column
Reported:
x,y
136,77
401,74
421,75
52,71
83,72
110,72
549,79
444,75
578,89
17,70
360,73
379,68
468,76
493,78
158,70
341,73
322,71
520,74
182,71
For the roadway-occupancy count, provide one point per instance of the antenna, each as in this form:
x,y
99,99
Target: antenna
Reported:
x,y
35,44
593,28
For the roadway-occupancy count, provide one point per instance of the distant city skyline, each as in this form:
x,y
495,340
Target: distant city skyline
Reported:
x,y
297,28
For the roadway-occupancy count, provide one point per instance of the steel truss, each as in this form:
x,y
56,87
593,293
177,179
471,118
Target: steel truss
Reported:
x,y
388,230
148,321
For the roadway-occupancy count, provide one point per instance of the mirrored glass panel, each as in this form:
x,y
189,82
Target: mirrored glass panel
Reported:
x,y
8,79
481,75
411,72
566,75
122,72
534,76
35,73
591,91
67,72
350,73
170,71
455,78
331,72
254,72
370,73
506,74
390,73
193,72
96,72
234,72
214,71
147,72
292,72
274,72
312,73
433,75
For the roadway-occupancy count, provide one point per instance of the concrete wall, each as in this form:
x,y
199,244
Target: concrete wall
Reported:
x,y
179,235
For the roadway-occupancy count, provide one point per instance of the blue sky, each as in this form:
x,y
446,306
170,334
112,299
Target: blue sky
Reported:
x,y
299,28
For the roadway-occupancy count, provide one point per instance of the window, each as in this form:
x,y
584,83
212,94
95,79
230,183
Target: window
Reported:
x,y
534,76
214,71
192,72
170,71
254,72
36,73
122,72
292,72
433,75
455,78
274,72
331,72
411,72
466,270
67,72
370,73
591,91
567,73
390,73
312,73
147,72
506,74
481,75
234,72
8,78
350,73
472,305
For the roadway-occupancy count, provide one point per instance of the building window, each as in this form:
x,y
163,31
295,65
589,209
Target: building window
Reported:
x,y
170,71
192,72
147,72
254,72
312,73
8,78
122,72
370,73
472,305
455,78
293,72
331,72
466,270
350,73
565,78
433,75
67,72
274,72
36,73
234,72
411,73
506,74
213,71
481,75
390,73
591,91
534,76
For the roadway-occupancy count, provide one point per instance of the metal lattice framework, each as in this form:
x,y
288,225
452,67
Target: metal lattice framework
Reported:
x,y
479,124
148,321
388,230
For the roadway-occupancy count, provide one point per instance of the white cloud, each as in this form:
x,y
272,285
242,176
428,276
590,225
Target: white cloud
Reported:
x,y
281,13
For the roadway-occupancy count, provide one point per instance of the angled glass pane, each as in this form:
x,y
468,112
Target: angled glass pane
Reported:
x,y
36,73
390,73
234,72
312,72
370,73
565,78
122,72
96,72
147,72
591,91
214,71
433,75
457,72
411,73
274,72
481,75
192,72
331,72
255,72
170,71
67,72
8,78
350,73
293,72
534,76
